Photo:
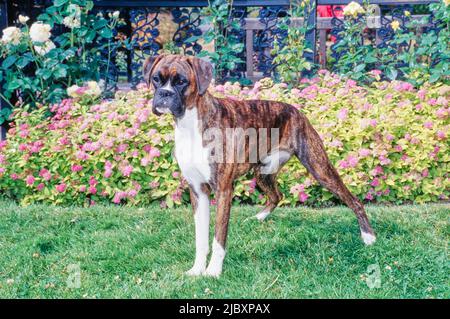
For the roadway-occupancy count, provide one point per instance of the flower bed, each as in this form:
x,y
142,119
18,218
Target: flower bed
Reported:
x,y
389,143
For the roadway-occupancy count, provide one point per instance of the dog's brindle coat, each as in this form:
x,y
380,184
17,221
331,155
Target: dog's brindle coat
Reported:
x,y
180,85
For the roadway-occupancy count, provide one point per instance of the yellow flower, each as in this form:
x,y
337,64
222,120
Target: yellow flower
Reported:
x,y
353,9
407,13
395,25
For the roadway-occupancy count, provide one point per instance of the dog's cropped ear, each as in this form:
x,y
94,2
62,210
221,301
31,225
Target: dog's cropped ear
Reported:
x,y
149,65
203,72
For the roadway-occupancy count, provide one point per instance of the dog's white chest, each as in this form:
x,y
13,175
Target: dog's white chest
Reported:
x,y
191,155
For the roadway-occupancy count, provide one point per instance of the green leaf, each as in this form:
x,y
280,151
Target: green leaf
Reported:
x,y
360,67
391,74
9,61
60,73
106,33
58,3
23,61
434,77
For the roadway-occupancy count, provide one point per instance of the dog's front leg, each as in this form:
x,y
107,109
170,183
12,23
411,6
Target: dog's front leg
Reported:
x,y
224,197
200,205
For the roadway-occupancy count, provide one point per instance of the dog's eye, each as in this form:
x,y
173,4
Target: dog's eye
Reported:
x,y
180,82
156,79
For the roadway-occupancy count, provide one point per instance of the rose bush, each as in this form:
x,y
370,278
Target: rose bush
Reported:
x,y
389,142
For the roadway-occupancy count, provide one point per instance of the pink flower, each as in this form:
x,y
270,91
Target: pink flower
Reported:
x,y
428,124
421,94
336,143
369,196
297,189
154,152
425,172
108,173
441,135
61,187
76,168
343,164
14,176
351,83
82,188
364,152
40,186
30,180
154,184
81,155
92,190
92,181
378,170
2,170
23,147
126,170
147,148
373,122
116,199
389,137
303,197
442,113
176,174
121,148
375,182
352,161
132,193
146,160
342,114
45,174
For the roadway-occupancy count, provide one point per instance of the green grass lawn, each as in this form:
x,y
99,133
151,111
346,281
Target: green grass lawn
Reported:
x,y
296,253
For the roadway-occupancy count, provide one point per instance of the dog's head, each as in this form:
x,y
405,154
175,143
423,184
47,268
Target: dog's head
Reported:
x,y
177,81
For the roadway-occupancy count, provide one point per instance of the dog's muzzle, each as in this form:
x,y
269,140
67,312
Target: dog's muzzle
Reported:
x,y
167,101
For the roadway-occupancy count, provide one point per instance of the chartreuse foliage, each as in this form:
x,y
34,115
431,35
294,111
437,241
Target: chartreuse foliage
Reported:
x,y
388,141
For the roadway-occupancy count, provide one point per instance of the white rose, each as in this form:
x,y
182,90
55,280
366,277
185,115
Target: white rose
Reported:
x,y
23,19
71,91
94,88
116,14
40,32
72,22
45,48
11,35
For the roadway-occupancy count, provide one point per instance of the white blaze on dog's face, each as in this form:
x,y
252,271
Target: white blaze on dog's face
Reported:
x,y
177,81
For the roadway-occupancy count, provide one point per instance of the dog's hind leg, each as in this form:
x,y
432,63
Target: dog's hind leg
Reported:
x,y
268,184
311,153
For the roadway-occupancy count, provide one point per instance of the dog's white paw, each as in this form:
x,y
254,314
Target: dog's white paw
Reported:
x,y
262,215
368,239
195,271
213,272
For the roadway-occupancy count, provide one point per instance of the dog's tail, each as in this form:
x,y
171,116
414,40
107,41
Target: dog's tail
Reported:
x,y
311,153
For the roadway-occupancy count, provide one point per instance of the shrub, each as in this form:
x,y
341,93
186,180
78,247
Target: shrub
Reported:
x,y
389,142
67,45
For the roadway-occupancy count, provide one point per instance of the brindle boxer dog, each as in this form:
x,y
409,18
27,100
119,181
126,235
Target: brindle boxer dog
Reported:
x,y
180,87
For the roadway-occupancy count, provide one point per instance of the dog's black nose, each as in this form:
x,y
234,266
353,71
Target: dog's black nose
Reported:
x,y
165,93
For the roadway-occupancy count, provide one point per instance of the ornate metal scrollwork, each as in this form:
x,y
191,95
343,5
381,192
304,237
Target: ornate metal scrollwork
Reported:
x,y
264,39
239,14
144,31
188,21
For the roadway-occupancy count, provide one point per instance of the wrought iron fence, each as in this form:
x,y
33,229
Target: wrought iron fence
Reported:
x,y
259,20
